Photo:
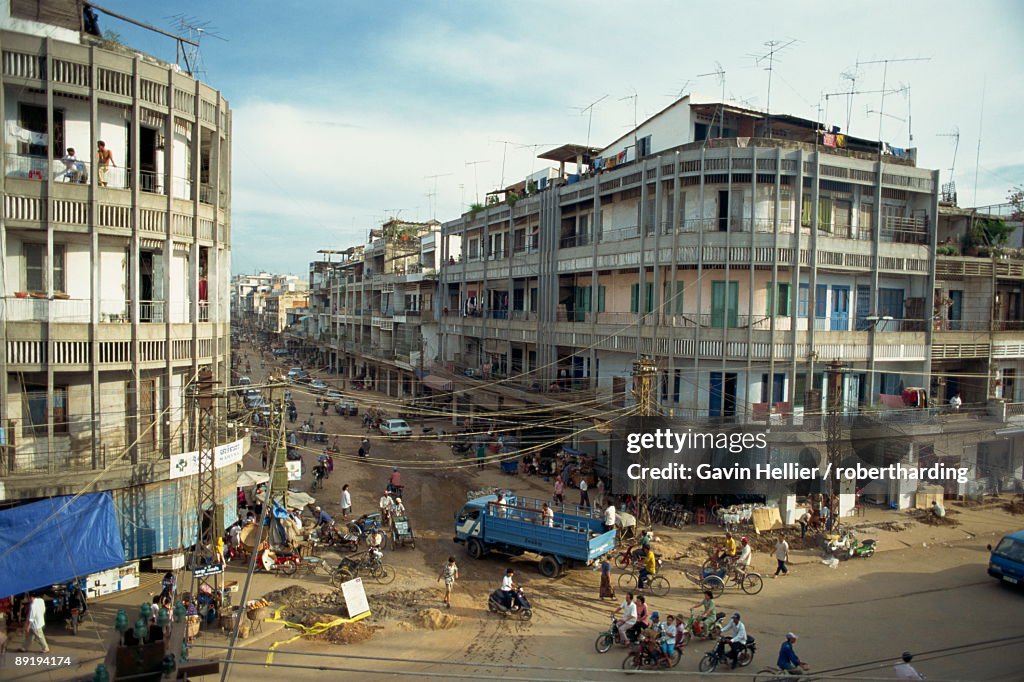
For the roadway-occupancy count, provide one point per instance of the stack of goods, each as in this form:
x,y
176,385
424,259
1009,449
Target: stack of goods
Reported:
x,y
256,609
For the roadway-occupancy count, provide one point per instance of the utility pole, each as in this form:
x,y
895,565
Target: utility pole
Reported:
x,y
833,428
644,371
208,506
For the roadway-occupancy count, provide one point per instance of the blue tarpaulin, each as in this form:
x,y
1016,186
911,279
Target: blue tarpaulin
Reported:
x,y
52,541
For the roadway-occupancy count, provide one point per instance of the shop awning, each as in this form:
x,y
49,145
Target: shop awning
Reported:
x,y
436,383
55,540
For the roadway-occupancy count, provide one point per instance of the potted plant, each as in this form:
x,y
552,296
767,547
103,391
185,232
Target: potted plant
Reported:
x,y
21,294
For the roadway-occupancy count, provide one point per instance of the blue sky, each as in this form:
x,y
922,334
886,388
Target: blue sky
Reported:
x,y
342,110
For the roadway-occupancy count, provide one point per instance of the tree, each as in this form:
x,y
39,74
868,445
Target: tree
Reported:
x,y
1016,199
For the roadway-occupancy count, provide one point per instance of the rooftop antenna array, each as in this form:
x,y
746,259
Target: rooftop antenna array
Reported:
x,y
885,73
431,203
189,51
774,47
589,110
719,72
476,184
949,188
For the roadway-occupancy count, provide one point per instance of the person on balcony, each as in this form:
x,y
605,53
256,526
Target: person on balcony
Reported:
x,y
104,160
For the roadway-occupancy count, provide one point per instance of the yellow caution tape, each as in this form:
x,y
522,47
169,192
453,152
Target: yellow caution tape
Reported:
x,y
306,630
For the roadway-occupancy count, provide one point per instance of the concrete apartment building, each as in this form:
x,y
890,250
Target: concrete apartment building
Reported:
x,y
114,278
742,253
373,308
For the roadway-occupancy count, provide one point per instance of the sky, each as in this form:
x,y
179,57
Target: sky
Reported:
x,y
347,113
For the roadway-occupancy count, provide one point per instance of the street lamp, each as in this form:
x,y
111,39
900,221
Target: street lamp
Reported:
x,y
873,321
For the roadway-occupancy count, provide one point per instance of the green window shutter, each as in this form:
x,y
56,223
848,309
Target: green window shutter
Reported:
x,y
678,300
768,299
825,214
805,211
734,304
600,299
649,295
784,302
718,304
634,299
586,299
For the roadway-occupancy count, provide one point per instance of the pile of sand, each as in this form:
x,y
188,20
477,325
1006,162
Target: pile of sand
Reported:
x,y
1014,507
346,633
436,619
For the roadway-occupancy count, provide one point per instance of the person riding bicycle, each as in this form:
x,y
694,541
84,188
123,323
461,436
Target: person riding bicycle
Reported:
x,y
707,615
788,660
737,641
728,549
746,554
649,568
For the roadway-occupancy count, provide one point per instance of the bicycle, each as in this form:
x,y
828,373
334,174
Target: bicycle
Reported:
x,y
657,584
774,674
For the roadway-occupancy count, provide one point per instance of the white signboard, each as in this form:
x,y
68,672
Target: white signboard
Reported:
x,y
294,470
355,597
187,463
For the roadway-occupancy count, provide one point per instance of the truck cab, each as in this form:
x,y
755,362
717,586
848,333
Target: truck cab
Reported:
x,y
1007,560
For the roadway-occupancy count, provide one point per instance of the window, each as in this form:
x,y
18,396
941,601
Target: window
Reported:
x,y
890,303
673,298
533,304
474,248
778,299
725,305
805,211
634,299
36,270
35,415
825,214
647,219
519,241
801,304
820,301
643,146
32,119
582,301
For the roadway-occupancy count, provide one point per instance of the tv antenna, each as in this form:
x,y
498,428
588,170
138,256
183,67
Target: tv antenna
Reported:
x,y
885,72
955,134
431,204
774,47
589,110
682,89
189,51
476,184
719,73
504,153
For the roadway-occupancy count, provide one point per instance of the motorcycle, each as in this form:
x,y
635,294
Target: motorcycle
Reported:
x,y
280,562
845,545
694,627
520,605
461,449
606,639
718,656
648,656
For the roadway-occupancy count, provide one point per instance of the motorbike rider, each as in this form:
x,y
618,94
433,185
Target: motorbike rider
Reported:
x,y
643,620
788,660
508,590
628,609
319,474
76,600
395,482
737,641
707,615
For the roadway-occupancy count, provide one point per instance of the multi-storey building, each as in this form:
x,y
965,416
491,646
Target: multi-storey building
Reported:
x,y
743,253
113,270
243,290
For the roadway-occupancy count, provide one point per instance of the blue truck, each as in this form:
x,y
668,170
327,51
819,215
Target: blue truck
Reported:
x,y
576,536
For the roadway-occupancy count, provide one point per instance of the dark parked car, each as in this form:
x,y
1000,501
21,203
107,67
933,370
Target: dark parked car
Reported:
x,y
346,408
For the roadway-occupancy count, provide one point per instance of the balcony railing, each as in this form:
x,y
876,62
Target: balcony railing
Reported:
x,y
43,309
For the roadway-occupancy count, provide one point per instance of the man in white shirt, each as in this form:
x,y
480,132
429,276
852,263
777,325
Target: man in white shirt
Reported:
x,y
955,402
905,671
35,624
609,517
628,609
738,630
508,587
781,556
584,496
500,506
745,555
386,506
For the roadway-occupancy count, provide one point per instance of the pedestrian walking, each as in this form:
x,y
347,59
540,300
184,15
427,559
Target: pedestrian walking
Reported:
x,y
35,623
584,496
781,556
559,493
606,580
263,457
346,501
449,573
